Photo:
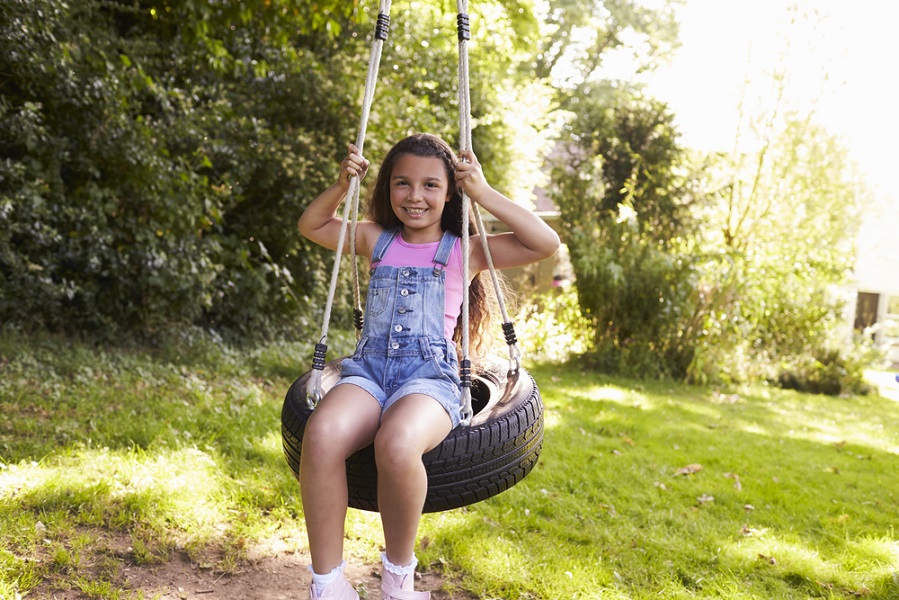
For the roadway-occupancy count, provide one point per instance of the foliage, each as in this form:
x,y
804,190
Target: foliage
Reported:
x,y
778,244
156,154
578,36
836,370
624,210
114,459
153,153
782,216
714,268
552,328
639,297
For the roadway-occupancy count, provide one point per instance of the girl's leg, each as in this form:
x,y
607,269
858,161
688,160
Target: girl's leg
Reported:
x,y
412,426
346,420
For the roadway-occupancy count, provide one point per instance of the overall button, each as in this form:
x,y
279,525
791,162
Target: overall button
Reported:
x,y
398,328
405,272
404,292
402,311
394,345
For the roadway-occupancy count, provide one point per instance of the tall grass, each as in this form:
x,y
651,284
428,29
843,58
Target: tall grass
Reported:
x,y
114,456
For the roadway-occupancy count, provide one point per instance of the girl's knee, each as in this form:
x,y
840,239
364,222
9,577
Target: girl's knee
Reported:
x,y
397,448
321,427
329,435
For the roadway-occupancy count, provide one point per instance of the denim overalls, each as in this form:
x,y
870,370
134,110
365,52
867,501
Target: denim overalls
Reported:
x,y
403,349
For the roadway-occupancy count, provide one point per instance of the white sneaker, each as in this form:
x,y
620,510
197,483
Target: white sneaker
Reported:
x,y
400,587
339,589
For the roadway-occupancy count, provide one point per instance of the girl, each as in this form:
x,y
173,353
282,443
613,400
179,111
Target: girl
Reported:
x,y
400,390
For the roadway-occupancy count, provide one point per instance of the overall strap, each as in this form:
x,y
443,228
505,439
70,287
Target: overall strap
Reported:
x,y
445,248
384,240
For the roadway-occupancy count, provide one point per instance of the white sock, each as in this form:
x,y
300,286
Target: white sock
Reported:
x,y
407,570
323,581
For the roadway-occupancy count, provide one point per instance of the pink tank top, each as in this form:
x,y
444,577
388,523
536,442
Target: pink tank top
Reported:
x,y
403,254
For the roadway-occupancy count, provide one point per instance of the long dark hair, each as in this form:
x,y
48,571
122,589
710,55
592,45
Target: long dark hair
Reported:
x,y
481,301
426,146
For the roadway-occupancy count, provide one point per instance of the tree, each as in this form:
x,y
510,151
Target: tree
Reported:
x,y
139,136
157,153
782,216
624,214
778,243
578,35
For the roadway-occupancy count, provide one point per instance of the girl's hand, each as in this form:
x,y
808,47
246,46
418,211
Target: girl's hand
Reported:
x,y
353,164
470,177
528,239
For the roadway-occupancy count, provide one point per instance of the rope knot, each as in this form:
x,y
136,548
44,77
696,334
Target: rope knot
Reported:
x,y
382,27
509,331
464,27
318,358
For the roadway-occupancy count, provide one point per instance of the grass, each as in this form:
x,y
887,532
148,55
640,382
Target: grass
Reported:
x,y
112,456
660,490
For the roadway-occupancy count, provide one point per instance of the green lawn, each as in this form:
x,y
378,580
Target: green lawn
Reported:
x,y
643,490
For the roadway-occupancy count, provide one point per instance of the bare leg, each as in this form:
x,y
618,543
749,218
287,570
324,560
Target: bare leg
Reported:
x,y
409,428
345,421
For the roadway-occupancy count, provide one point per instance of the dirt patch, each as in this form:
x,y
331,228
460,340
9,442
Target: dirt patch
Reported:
x,y
280,574
282,577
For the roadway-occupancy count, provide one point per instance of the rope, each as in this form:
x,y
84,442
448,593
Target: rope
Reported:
x,y
358,314
508,329
465,144
351,212
350,209
464,34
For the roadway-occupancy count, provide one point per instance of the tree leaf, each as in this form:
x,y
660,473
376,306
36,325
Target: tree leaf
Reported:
x,y
689,469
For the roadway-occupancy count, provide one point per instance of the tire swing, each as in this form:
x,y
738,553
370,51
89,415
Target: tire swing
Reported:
x,y
500,438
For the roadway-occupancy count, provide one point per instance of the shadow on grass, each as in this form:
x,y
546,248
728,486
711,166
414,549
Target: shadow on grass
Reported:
x,y
184,456
767,493
796,494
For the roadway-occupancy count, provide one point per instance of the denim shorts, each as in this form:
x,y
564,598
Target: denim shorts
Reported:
x,y
426,366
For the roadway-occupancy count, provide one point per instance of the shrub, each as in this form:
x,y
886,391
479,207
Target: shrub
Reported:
x,y
551,327
154,163
624,212
833,371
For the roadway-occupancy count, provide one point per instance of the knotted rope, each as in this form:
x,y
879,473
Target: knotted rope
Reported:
x,y
350,212
464,35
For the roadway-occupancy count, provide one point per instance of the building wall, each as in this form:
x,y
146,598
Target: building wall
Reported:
x,y
876,279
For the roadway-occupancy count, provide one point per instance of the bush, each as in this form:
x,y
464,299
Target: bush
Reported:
x,y
637,299
623,204
156,156
831,371
552,328
154,164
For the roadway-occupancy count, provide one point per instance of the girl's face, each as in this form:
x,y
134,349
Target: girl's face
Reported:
x,y
419,189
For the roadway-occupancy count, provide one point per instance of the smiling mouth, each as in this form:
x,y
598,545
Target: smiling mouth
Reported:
x,y
415,212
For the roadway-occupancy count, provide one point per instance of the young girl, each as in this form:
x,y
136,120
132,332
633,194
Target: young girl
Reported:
x,y
400,390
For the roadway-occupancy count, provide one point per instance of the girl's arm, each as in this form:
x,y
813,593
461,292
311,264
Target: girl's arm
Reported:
x,y
529,239
320,222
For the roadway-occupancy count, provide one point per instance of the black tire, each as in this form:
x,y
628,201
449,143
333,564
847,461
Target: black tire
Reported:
x,y
473,463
